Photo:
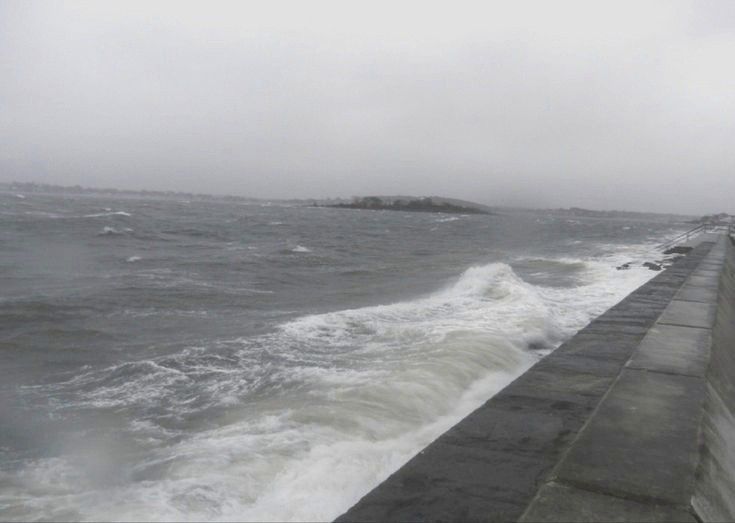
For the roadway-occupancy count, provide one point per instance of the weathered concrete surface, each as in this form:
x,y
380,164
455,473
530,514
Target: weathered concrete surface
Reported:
x,y
675,350
698,293
714,497
557,502
622,440
642,442
689,314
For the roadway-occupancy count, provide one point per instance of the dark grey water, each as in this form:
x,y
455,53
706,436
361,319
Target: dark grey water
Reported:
x,y
210,360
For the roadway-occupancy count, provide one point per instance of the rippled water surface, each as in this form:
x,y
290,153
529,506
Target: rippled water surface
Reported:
x,y
176,360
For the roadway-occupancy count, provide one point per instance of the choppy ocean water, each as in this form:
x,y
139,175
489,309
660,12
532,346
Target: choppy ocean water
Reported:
x,y
184,360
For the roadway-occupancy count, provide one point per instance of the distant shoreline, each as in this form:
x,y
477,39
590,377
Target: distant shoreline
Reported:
x,y
26,188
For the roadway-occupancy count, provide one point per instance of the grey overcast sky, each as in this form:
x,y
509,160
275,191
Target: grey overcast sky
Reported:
x,y
607,104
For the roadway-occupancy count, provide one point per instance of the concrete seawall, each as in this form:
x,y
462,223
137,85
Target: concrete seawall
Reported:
x,y
630,420
714,498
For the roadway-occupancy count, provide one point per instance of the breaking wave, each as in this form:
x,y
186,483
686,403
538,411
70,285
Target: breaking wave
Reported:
x,y
312,415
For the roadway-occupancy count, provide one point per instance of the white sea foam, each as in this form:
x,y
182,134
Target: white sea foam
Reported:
x,y
44,214
352,394
109,231
133,259
107,213
300,248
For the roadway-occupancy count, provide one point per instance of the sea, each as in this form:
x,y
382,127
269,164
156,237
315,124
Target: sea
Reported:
x,y
173,359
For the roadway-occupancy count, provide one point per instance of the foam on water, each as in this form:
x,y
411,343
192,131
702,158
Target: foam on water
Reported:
x,y
107,213
304,420
109,231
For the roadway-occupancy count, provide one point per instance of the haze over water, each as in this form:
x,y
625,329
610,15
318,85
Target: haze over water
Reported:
x,y
602,105
185,360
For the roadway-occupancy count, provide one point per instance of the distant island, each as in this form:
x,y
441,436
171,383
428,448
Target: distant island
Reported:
x,y
432,204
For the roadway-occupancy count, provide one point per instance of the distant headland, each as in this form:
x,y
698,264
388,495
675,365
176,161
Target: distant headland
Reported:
x,y
413,204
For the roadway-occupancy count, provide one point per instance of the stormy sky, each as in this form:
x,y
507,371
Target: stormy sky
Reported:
x,y
607,105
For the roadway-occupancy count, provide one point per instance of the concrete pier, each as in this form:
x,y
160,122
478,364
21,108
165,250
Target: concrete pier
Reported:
x,y
624,422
